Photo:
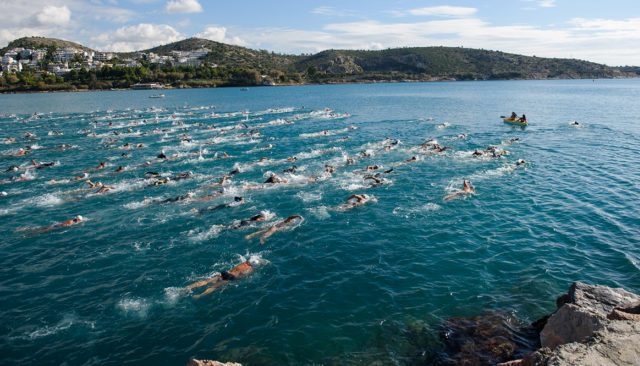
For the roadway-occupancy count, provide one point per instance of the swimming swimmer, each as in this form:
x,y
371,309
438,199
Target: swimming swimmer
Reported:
x,y
353,201
237,201
274,179
213,283
467,189
266,233
41,230
249,222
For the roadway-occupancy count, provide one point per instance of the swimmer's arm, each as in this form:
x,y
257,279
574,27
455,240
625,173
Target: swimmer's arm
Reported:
x,y
259,232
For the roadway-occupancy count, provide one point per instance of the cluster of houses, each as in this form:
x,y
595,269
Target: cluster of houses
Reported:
x,y
65,59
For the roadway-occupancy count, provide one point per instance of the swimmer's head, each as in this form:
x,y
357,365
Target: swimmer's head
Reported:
x,y
78,219
238,199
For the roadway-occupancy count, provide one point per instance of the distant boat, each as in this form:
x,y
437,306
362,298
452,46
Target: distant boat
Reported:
x,y
156,96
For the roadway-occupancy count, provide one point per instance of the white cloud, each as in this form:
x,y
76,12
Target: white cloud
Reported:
x,y
219,34
612,42
547,3
332,12
443,11
53,15
183,6
137,37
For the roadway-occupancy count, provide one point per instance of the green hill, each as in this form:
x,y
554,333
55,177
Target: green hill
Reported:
x,y
241,66
228,55
42,42
448,62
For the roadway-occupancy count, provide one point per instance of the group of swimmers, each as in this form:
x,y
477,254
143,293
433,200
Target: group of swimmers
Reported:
x,y
374,175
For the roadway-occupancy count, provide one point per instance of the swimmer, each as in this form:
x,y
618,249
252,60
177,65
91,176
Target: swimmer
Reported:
x,y
376,181
353,201
224,180
575,123
119,169
213,283
467,189
104,188
13,168
102,165
520,162
274,179
176,199
266,233
237,201
249,222
412,159
41,230
292,169
162,156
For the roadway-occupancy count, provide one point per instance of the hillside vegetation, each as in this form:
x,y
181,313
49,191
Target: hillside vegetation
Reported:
x,y
228,65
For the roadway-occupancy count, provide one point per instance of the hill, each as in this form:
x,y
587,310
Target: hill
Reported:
x,y
228,55
42,42
241,66
449,62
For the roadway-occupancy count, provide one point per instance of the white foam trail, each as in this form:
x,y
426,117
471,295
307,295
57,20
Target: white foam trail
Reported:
x,y
199,235
408,212
309,196
67,322
320,212
134,306
172,295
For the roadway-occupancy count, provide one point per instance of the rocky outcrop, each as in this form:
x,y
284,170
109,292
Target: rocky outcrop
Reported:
x,y
582,312
593,326
195,362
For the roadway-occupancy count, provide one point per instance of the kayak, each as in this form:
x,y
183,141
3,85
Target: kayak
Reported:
x,y
515,122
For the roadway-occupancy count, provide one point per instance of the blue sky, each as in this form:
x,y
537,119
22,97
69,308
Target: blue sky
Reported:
x,y
606,32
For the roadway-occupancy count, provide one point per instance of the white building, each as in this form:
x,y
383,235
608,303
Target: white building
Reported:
x,y
103,56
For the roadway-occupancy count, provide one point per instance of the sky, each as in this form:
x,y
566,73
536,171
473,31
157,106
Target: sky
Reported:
x,y
600,31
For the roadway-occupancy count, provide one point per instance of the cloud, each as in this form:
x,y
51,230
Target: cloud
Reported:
x,y
612,42
183,6
547,3
137,37
53,15
444,11
219,34
332,12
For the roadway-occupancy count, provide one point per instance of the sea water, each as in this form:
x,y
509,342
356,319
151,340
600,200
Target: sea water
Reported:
x,y
345,286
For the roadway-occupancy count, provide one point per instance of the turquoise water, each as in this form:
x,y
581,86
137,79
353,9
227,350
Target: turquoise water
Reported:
x,y
343,286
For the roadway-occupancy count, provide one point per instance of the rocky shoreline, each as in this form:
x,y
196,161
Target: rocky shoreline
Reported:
x,y
592,326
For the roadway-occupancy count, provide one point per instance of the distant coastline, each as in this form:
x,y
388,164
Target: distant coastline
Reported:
x,y
37,64
336,82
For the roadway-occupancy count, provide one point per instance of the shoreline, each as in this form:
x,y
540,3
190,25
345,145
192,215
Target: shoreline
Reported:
x,y
434,80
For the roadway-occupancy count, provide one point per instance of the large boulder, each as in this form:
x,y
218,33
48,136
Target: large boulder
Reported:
x,y
616,344
582,312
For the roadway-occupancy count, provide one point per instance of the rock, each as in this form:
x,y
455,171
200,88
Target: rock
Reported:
x,y
195,362
617,343
600,299
582,312
570,323
628,312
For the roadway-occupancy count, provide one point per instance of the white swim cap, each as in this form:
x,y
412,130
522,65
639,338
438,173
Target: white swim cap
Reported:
x,y
79,218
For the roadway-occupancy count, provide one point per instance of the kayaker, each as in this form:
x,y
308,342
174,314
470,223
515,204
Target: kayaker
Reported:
x,y
523,119
514,116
